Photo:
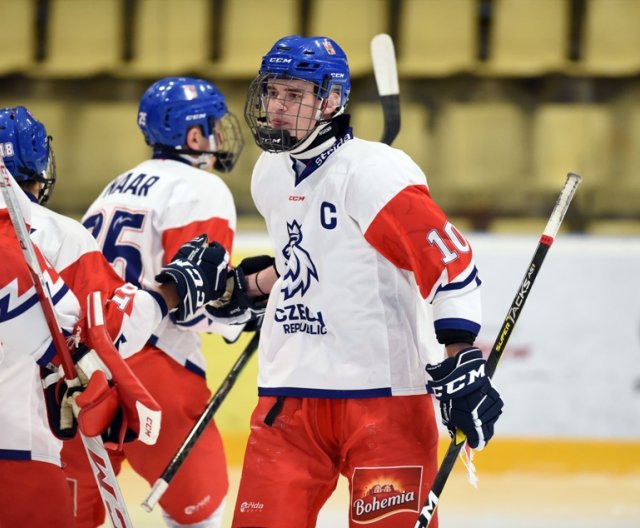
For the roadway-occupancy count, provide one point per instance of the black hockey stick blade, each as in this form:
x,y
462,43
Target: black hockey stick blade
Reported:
x,y
162,483
546,239
385,70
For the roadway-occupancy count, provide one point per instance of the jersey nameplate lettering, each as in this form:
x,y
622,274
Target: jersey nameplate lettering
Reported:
x,y
138,185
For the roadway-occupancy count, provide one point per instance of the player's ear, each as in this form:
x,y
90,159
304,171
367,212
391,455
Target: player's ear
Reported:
x,y
193,138
332,104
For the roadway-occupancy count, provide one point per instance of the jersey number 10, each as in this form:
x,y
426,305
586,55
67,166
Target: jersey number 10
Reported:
x,y
453,235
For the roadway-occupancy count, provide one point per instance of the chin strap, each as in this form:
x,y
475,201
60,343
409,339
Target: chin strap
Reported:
x,y
322,137
318,141
197,159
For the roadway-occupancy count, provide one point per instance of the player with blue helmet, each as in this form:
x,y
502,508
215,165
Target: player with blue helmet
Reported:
x,y
302,86
377,299
26,149
140,220
182,116
35,423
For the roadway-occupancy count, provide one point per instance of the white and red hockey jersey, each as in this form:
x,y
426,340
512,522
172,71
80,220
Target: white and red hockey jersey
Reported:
x,y
141,219
25,340
370,269
131,314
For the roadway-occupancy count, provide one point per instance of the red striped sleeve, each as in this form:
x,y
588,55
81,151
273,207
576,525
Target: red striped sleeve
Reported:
x,y
217,229
413,233
91,272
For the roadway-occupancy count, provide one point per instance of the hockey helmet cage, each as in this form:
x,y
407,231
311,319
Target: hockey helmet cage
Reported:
x,y
321,62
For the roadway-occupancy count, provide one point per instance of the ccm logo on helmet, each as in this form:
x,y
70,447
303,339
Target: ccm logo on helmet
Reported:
x,y
279,59
193,117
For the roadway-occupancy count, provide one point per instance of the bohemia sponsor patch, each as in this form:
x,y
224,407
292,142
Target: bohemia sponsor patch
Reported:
x,y
379,492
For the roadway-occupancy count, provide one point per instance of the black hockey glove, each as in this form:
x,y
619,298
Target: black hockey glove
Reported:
x,y
199,271
468,401
235,306
57,396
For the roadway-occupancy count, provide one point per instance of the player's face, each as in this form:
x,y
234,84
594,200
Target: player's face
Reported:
x,y
291,105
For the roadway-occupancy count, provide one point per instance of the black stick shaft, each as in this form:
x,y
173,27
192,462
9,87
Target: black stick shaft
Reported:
x,y
216,400
547,238
385,69
504,334
391,113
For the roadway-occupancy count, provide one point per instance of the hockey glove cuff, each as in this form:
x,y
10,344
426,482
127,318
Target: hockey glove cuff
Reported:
x,y
59,409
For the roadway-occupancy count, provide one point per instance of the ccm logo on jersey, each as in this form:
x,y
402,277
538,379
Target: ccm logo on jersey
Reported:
x,y
294,198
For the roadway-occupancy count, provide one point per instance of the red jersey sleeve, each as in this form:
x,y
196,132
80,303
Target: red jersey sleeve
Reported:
x,y
90,273
413,233
217,229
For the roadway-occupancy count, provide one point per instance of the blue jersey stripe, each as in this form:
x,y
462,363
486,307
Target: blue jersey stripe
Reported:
x,y
192,367
453,323
323,393
60,294
473,276
6,314
14,454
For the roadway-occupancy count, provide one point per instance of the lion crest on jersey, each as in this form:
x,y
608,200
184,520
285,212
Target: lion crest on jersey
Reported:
x,y
300,267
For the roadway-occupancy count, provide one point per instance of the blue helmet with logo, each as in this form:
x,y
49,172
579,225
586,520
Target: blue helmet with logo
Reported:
x,y
26,150
277,124
319,60
173,105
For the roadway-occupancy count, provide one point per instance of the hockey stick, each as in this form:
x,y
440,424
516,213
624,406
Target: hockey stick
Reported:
x,y
547,238
386,73
162,483
96,453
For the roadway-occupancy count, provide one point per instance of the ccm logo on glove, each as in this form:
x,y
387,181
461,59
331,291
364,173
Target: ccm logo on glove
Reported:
x,y
456,386
468,401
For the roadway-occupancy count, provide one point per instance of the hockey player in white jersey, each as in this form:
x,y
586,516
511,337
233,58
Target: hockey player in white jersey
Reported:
x,y
131,314
140,220
30,470
371,274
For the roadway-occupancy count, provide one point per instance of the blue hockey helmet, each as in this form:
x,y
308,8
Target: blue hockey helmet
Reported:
x,y
319,60
173,105
26,149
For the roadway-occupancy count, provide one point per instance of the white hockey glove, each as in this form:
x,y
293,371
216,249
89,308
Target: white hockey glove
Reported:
x,y
468,401
60,402
199,271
